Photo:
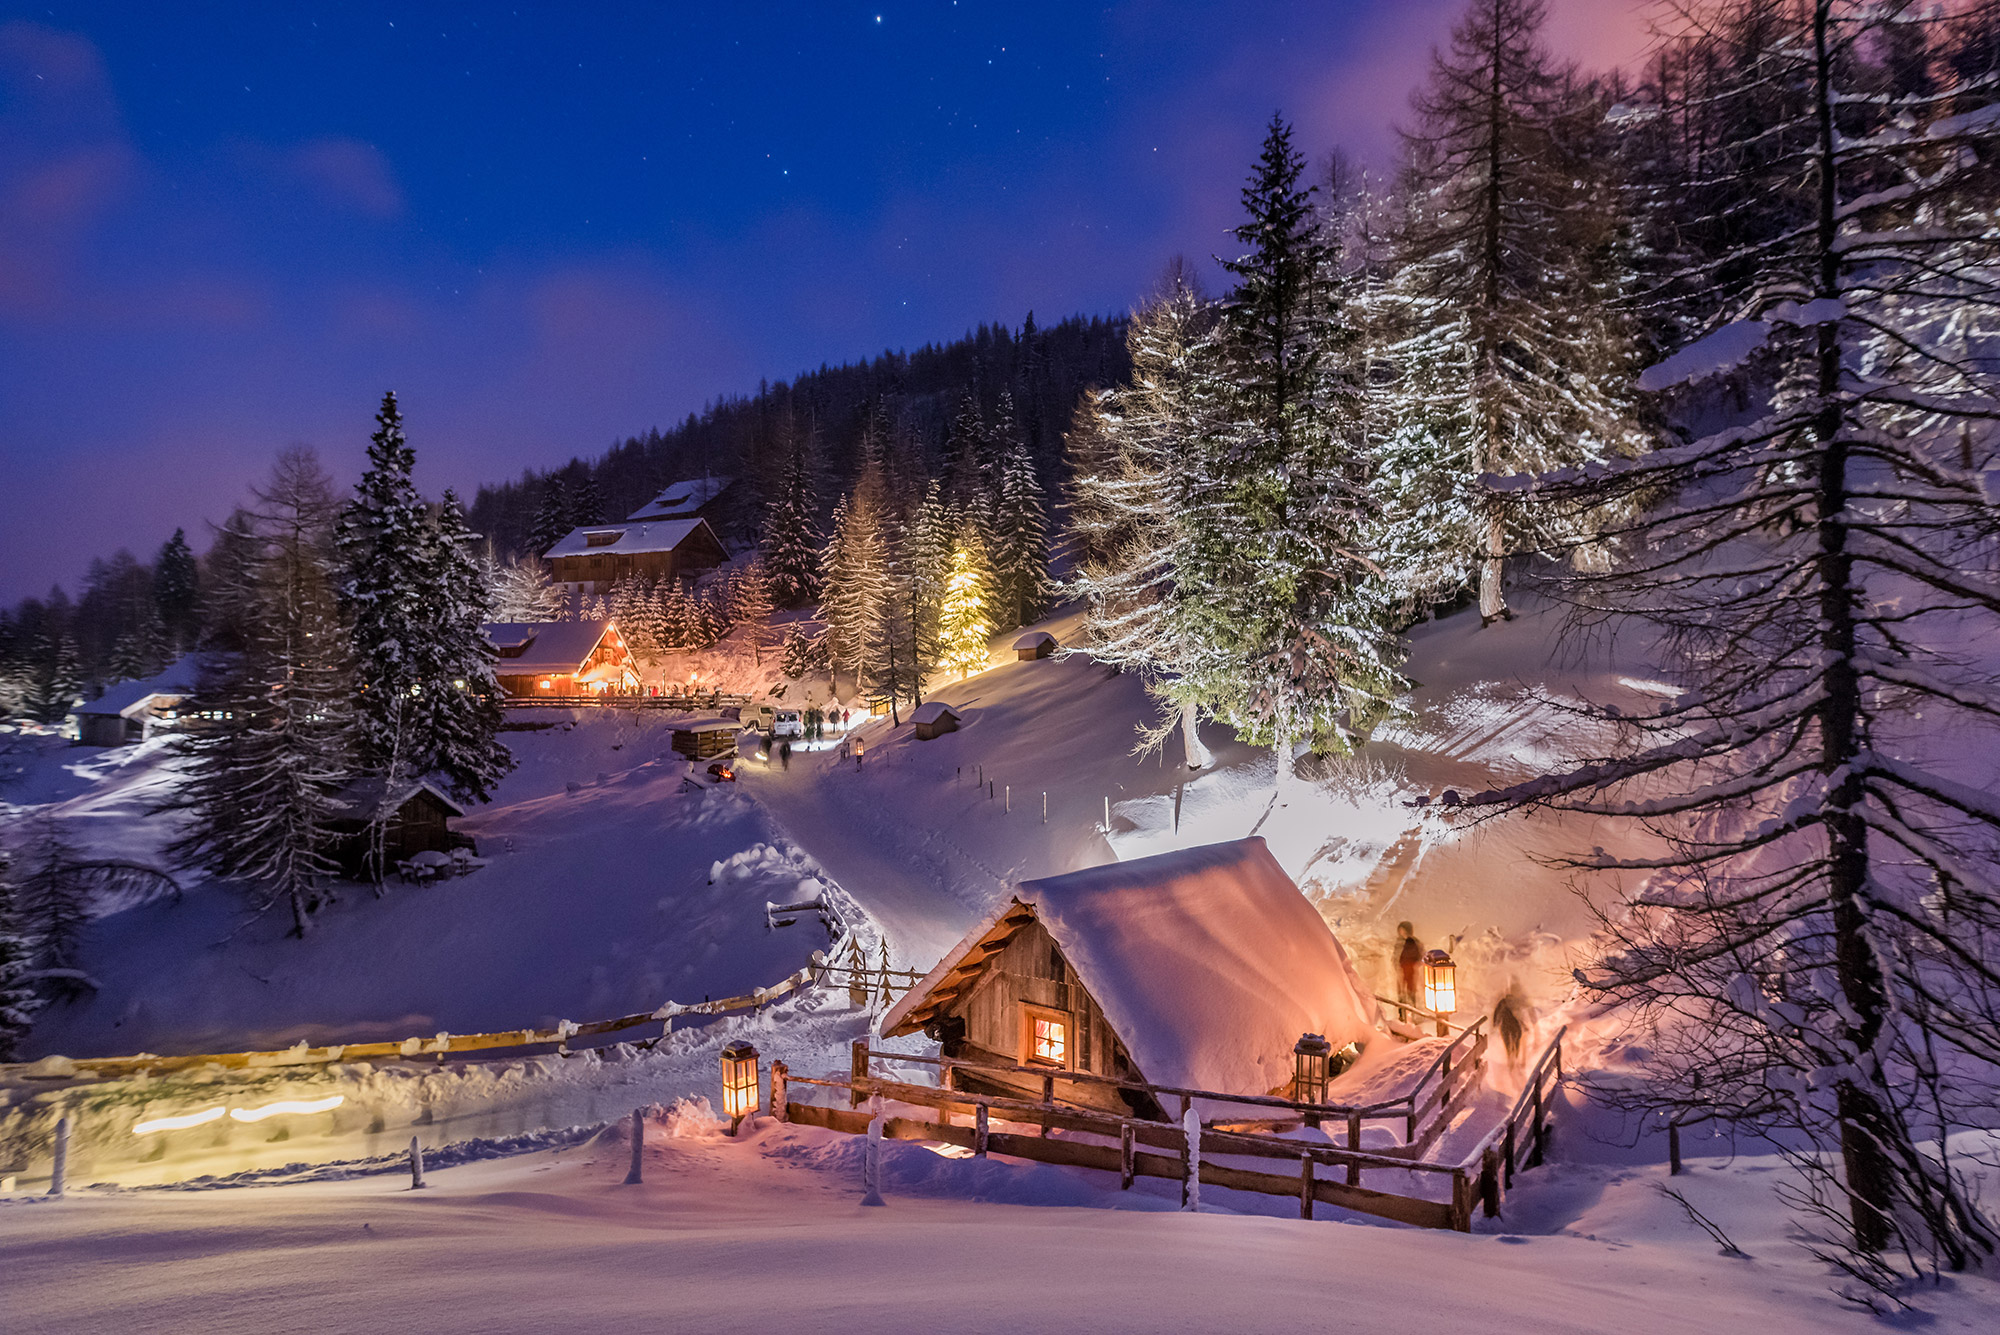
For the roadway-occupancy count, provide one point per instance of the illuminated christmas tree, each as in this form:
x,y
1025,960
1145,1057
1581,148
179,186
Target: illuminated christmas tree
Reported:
x,y
963,629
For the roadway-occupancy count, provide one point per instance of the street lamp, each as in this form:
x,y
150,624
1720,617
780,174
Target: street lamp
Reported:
x,y
1440,987
1310,1056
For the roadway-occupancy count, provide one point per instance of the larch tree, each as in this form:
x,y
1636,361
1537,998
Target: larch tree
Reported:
x,y
1814,954
523,591
1507,325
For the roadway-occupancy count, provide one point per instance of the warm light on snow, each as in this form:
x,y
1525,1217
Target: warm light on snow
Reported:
x,y
180,1123
283,1106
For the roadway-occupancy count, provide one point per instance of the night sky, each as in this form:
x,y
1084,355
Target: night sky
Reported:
x,y
228,228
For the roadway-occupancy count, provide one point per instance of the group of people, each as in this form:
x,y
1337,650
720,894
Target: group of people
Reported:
x,y
1512,1014
816,721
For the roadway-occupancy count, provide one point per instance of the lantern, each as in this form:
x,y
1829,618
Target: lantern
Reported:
x,y
739,1083
1440,986
1309,1071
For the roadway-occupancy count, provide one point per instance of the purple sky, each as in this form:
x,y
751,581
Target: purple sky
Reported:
x,y
230,230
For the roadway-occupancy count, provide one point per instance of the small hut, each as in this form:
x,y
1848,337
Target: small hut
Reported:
x,y
934,718
1035,644
132,711
1197,969
706,738
418,821
542,660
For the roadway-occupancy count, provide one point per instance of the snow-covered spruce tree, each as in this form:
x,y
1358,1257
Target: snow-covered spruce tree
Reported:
x,y
457,711
1504,323
177,593
964,628
803,654
675,614
522,591
924,567
855,578
1125,448
55,676
1296,636
636,609
384,543
1816,952
586,505
791,544
261,776
18,1002
1020,529
754,606
552,521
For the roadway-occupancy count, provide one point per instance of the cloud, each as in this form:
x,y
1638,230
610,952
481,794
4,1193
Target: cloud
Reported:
x,y
348,174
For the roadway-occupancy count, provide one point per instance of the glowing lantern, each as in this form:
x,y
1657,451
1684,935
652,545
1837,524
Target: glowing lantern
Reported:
x,y
1440,987
1310,1056
739,1083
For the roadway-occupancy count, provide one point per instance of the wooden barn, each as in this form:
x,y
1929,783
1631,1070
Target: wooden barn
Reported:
x,y
593,558
1198,969
705,738
552,659
419,821
933,718
131,711
1035,644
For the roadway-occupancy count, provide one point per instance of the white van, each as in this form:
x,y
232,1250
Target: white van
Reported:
x,y
775,721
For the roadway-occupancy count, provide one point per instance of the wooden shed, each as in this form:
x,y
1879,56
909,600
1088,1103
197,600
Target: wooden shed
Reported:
x,y
706,738
1198,969
419,821
934,718
1035,644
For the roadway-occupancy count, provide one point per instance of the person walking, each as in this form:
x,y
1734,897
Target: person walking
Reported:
x,y
1409,957
785,755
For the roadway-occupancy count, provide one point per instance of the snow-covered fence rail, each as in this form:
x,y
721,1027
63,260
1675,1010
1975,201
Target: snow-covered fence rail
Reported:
x,y
1522,1140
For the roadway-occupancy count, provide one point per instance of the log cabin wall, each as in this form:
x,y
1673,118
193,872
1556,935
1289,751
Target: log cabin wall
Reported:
x,y
1032,971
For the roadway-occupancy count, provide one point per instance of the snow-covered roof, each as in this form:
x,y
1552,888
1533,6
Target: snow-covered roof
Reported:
x,y
546,646
683,498
1207,962
176,682
364,798
1034,639
715,724
628,539
930,711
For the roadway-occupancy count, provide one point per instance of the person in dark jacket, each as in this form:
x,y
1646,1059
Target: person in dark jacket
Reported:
x,y
1409,959
785,754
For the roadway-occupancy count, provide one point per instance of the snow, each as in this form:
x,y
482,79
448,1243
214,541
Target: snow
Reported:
x,y
557,647
660,536
176,681
932,711
1712,354
1207,961
681,498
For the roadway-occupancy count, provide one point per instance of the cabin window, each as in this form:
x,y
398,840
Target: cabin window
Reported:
x,y
1045,1037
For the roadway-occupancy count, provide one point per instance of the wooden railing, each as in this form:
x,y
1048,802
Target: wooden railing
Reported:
x,y
1115,1142
698,700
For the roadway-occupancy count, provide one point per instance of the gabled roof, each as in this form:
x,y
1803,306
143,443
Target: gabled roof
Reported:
x,y
1034,639
683,498
365,798
714,723
550,646
176,682
930,711
628,539
1208,964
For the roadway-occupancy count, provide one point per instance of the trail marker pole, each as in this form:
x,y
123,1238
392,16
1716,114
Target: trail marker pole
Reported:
x,y
1107,813
871,1162
60,1171
416,1165
1045,807
1010,799
632,1178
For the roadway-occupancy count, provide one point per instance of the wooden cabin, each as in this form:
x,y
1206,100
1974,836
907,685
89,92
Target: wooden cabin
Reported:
x,y
1197,969
593,558
696,498
705,738
1035,644
419,821
934,718
132,711
552,659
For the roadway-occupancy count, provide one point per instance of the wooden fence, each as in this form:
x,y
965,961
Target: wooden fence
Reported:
x,y
705,700
1111,1143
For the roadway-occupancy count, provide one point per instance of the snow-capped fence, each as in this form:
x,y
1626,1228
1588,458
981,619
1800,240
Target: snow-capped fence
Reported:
x,y
1112,1143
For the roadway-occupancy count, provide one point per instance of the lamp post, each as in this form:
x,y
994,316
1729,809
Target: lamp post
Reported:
x,y
1310,1056
739,1083
1440,987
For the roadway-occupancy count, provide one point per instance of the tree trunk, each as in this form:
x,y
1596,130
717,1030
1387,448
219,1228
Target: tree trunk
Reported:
x,y
1492,598
1198,756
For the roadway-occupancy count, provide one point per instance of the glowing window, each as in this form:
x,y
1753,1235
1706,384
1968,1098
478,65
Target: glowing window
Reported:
x,y
1045,1037
1051,1041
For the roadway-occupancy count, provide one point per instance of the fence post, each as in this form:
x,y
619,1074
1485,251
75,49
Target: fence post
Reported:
x,y
989,790
781,1094
1125,1164
858,1073
1489,1183
1354,1147
1107,813
416,1165
1191,1161
1535,1127
1674,1148
979,1116
1507,1155
1305,1186
632,1178
1009,808
59,1171
871,1162
1045,807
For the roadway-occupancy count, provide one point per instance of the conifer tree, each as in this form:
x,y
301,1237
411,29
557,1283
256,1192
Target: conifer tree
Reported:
x,y
386,555
457,711
856,579
637,612
753,606
924,557
18,1002
177,593
791,544
587,503
55,677
552,521
262,776
1505,309
964,630
1020,541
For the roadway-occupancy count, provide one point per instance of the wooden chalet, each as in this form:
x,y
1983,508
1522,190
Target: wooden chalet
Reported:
x,y
696,498
553,659
933,718
593,558
1035,644
131,711
1198,969
418,821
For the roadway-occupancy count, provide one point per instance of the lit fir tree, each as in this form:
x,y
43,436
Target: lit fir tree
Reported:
x,y
964,630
